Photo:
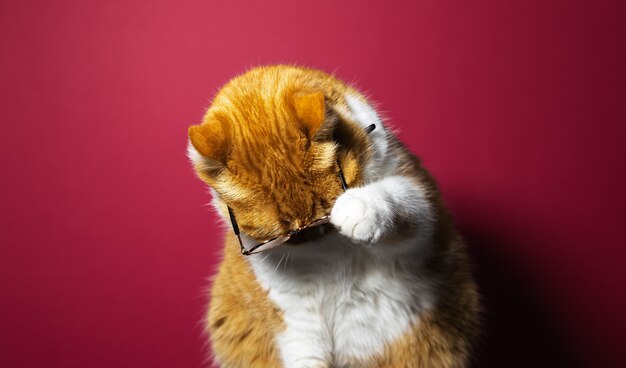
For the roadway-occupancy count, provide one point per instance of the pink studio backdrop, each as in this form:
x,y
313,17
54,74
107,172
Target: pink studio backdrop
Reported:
x,y
106,243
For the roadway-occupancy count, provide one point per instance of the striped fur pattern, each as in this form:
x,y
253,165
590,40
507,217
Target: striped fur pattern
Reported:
x,y
386,284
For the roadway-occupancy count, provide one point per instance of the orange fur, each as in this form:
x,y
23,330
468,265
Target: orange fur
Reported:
x,y
269,136
270,143
241,320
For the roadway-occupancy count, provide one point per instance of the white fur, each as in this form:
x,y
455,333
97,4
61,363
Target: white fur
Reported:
x,y
346,296
349,294
341,301
361,112
367,213
194,156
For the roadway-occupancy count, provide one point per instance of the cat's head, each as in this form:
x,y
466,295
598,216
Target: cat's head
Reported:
x,y
270,146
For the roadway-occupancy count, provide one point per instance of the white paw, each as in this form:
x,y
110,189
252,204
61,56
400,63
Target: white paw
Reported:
x,y
311,363
308,362
362,214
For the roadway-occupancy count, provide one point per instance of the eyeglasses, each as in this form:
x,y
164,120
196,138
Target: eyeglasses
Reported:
x,y
250,246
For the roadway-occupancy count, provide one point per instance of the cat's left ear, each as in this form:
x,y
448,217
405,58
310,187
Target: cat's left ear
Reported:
x,y
211,142
311,111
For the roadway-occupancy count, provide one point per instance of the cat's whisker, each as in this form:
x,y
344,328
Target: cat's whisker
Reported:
x,y
264,258
292,260
287,260
278,264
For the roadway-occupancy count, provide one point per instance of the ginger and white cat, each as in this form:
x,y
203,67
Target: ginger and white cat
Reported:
x,y
385,284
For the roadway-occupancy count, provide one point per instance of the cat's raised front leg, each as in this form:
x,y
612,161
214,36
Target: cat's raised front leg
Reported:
x,y
376,211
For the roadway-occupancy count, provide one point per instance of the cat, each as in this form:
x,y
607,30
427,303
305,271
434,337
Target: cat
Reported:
x,y
386,283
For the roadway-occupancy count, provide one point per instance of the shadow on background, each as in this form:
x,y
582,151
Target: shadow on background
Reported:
x,y
517,332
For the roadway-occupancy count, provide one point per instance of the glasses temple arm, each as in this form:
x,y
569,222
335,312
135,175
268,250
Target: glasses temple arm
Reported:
x,y
233,221
343,180
370,128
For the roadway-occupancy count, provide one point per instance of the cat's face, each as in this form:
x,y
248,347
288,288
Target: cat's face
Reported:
x,y
274,158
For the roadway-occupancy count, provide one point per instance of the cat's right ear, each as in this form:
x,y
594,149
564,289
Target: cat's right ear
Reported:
x,y
310,108
211,143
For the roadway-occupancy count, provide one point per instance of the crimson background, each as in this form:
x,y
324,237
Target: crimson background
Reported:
x,y
516,107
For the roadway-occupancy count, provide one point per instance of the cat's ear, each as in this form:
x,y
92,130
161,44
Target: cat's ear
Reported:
x,y
211,140
311,111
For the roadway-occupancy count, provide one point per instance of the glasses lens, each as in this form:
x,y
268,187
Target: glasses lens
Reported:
x,y
254,247
318,222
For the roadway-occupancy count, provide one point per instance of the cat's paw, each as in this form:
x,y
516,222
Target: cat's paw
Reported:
x,y
308,362
363,214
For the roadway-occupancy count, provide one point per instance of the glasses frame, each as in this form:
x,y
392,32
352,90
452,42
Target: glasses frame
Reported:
x,y
279,240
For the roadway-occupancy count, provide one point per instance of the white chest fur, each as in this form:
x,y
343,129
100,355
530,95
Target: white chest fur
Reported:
x,y
341,302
